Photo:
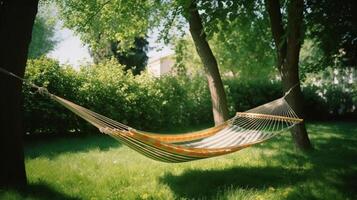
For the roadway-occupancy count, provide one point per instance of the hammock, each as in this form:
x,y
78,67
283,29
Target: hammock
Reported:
x,y
243,130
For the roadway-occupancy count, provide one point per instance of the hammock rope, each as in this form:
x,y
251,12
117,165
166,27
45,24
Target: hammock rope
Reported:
x,y
243,130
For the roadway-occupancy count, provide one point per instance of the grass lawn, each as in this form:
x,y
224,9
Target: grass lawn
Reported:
x,y
98,167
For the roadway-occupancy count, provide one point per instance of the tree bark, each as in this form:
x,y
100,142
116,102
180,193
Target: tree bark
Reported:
x,y
273,8
288,50
218,95
16,22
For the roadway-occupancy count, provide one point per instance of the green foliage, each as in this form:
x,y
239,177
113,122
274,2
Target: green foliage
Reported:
x,y
239,35
236,56
43,32
115,20
249,94
141,101
98,167
238,31
331,93
134,58
187,60
41,114
312,59
244,48
333,24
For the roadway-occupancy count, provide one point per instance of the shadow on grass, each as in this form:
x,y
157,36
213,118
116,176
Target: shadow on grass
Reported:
x,y
210,183
39,191
333,160
329,170
55,146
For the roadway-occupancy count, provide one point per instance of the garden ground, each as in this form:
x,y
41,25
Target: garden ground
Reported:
x,y
98,167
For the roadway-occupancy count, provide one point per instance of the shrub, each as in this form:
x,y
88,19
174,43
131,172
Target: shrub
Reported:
x,y
248,94
41,114
141,101
330,102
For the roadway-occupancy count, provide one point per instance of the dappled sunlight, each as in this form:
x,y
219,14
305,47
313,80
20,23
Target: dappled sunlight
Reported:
x,y
100,167
207,183
50,148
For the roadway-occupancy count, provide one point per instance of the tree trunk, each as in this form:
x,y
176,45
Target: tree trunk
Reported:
x,y
288,50
273,8
218,95
16,21
290,71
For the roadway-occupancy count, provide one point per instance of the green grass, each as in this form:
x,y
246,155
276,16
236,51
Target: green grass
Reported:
x,y
98,167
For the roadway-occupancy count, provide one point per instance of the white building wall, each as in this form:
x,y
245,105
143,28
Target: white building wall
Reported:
x,y
161,66
155,68
166,65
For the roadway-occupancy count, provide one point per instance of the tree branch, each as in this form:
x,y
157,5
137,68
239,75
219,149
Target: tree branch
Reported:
x,y
89,20
295,20
273,8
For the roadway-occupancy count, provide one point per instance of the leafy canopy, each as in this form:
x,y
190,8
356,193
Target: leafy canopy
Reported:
x,y
43,33
133,58
116,20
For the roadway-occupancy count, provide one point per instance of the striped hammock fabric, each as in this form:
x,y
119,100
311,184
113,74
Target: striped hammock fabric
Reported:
x,y
243,130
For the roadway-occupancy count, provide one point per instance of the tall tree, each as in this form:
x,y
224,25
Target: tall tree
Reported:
x,y
288,43
218,96
43,40
16,22
134,58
